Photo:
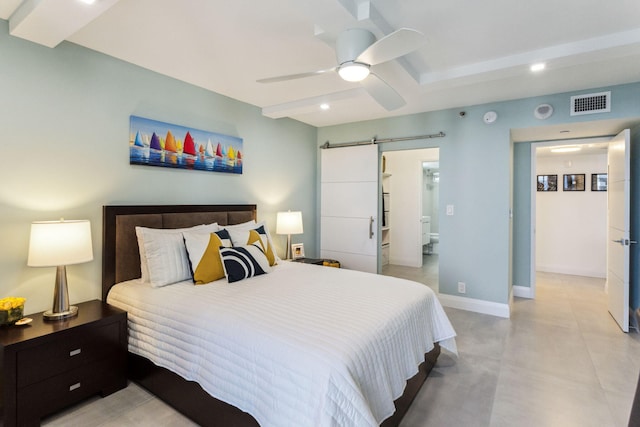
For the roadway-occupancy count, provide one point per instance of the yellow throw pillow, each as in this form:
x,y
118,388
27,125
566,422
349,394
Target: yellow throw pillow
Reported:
x,y
255,236
242,237
204,255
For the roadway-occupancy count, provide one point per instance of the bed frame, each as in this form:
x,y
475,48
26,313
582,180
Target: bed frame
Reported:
x,y
121,261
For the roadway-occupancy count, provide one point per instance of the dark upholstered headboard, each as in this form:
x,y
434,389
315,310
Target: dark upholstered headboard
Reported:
x,y
120,254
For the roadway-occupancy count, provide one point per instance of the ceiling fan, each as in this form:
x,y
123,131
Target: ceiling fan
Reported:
x,y
358,51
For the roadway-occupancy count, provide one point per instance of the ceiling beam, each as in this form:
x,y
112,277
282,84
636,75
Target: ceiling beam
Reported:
x,y
309,105
49,22
563,55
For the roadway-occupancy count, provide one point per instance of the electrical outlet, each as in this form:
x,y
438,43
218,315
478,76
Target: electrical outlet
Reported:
x,y
462,288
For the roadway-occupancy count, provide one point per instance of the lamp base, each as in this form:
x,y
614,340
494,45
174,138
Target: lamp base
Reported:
x,y
288,252
51,315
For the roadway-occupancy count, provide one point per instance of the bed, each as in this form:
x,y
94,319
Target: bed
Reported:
x,y
189,364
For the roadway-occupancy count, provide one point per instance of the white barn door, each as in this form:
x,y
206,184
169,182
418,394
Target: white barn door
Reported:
x,y
349,206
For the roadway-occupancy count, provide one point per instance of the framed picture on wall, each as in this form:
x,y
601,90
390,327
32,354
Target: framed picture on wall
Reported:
x,y
598,182
547,183
573,182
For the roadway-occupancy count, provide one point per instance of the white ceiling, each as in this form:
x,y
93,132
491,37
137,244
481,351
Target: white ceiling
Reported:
x,y
476,51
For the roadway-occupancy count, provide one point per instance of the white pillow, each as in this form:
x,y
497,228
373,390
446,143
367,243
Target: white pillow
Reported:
x,y
242,225
163,257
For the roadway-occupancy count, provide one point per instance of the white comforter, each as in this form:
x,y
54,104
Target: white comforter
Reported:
x,y
301,346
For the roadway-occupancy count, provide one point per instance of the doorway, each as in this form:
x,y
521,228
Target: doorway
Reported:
x,y
568,200
410,194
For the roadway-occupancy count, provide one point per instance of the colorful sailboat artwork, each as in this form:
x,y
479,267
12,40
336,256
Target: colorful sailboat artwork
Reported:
x,y
220,153
209,152
189,145
138,141
155,142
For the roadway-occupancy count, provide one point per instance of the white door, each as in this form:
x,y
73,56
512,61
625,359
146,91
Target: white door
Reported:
x,y
349,206
618,229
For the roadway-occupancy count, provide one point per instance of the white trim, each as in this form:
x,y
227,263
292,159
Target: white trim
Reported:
x,y
559,269
532,221
522,292
475,305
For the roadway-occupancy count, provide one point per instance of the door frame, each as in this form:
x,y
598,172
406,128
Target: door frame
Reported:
x,y
533,180
418,159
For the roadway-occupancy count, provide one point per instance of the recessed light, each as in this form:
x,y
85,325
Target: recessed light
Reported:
x,y
88,1
538,67
324,106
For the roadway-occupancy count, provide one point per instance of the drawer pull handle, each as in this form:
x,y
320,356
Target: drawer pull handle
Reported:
x,y
74,386
75,352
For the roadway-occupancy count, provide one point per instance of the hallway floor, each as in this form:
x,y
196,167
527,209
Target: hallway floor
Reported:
x,y
559,361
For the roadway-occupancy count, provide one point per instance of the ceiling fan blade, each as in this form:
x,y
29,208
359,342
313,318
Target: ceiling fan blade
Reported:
x,y
384,94
295,76
392,46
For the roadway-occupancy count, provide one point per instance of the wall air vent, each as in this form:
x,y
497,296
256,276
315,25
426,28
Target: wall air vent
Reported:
x,y
591,103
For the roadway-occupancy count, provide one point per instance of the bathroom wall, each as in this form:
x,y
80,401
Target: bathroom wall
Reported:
x,y
431,194
406,204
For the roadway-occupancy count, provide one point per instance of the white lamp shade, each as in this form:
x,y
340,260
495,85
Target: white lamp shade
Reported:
x,y
56,243
289,222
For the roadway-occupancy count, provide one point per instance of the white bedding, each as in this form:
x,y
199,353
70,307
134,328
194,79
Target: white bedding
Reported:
x,y
302,346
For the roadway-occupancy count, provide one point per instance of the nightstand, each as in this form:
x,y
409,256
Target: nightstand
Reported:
x,y
47,365
319,261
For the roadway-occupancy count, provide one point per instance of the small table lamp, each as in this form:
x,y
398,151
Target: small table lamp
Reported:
x,y
58,244
289,223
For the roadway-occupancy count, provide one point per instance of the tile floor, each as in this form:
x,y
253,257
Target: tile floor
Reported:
x,y
559,361
427,274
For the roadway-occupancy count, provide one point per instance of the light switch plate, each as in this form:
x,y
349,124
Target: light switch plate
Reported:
x,y
449,210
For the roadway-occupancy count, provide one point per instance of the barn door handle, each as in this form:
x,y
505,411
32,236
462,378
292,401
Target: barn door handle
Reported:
x,y
370,227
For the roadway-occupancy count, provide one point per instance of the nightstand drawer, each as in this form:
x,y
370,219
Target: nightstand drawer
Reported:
x,y
70,349
45,397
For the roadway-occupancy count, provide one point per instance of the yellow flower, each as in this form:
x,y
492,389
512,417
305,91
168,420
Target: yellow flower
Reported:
x,y
11,302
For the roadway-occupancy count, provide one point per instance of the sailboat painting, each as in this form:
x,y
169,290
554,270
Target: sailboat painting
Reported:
x,y
155,143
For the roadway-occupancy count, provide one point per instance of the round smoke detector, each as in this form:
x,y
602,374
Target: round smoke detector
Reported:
x,y
543,111
490,117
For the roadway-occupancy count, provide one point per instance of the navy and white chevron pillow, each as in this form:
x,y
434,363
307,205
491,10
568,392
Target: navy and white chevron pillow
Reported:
x,y
242,262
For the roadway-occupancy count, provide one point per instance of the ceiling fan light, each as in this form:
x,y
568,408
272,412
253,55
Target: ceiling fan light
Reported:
x,y
353,71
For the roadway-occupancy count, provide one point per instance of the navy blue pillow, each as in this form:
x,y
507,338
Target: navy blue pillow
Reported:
x,y
242,262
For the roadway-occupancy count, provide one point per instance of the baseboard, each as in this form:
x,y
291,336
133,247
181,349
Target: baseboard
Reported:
x,y
571,271
475,305
522,292
405,262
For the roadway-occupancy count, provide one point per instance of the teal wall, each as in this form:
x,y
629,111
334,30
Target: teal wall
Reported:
x,y
64,121
522,214
483,175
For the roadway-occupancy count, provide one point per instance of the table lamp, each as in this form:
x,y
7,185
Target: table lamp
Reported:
x,y
58,244
289,223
